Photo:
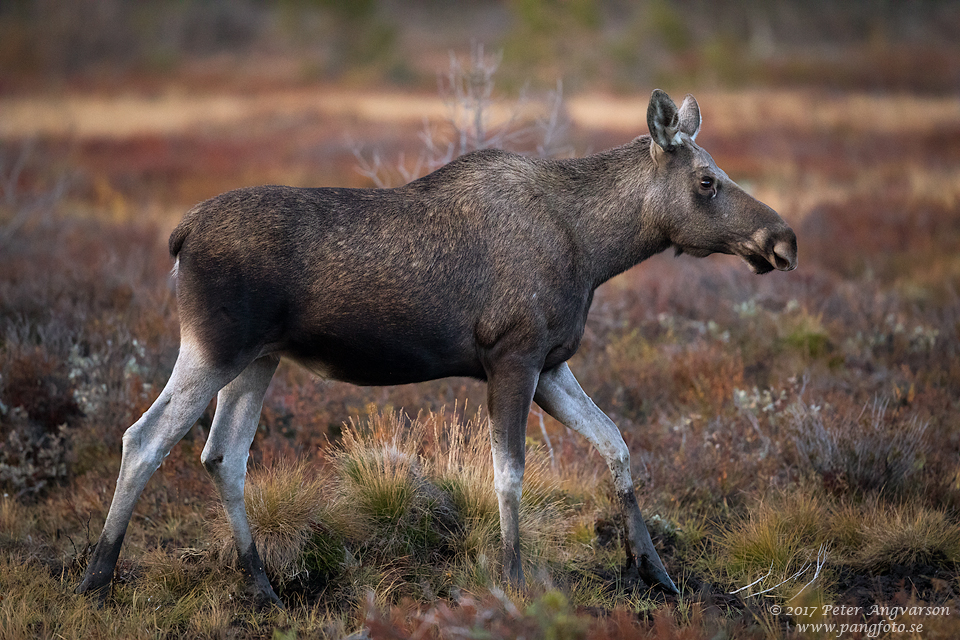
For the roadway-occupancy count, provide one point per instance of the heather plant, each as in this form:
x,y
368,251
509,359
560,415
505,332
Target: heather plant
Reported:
x,y
35,419
876,450
68,354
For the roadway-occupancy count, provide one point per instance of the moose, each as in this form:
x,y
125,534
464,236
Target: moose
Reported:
x,y
484,268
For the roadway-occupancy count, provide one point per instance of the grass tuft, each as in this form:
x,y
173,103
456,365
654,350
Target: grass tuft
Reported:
x,y
285,506
907,534
777,540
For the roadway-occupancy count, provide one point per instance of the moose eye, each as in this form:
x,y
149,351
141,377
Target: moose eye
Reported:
x,y
707,183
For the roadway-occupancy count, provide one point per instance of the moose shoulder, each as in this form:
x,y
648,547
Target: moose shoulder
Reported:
x,y
484,268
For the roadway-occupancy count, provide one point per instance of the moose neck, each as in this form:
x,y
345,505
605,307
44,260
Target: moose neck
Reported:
x,y
605,200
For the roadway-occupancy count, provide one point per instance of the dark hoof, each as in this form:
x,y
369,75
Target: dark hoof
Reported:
x,y
513,572
99,574
667,587
95,589
264,597
267,601
656,577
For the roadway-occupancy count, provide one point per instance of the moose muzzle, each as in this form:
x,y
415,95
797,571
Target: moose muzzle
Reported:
x,y
770,249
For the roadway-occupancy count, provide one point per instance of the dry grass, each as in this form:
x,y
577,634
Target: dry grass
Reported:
x,y
801,542
423,489
403,507
775,547
907,534
285,505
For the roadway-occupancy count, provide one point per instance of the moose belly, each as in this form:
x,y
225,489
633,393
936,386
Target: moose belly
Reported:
x,y
372,358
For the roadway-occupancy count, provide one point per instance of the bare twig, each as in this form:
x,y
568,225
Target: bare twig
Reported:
x,y
821,561
817,566
799,573
554,126
546,438
372,169
760,579
467,90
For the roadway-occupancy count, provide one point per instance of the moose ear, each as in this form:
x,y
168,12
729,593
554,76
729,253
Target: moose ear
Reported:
x,y
690,117
664,121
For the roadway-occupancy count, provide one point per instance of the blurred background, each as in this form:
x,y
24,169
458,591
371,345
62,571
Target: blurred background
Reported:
x,y
616,45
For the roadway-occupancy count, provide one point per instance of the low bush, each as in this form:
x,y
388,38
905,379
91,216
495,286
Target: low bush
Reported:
x,y
874,451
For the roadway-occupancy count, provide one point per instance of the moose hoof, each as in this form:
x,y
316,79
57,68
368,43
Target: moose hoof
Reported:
x,y
94,589
264,597
513,571
265,602
656,576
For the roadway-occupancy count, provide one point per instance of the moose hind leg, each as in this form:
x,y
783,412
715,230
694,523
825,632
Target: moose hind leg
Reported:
x,y
225,457
145,444
559,394
509,394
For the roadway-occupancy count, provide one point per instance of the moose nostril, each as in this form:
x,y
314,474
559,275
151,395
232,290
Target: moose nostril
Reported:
x,y
785,255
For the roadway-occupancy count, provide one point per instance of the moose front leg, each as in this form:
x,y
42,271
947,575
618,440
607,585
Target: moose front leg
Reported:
x,y
559,394
509,394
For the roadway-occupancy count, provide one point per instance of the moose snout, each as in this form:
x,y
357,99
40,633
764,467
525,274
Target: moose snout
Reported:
x,y
769,249
784,256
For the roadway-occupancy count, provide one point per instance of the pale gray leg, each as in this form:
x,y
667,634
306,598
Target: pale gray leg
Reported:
x,y
225,457
559,394
145,444
508,466
509,393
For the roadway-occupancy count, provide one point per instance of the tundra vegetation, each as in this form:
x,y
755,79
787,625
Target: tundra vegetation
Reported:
x,y
794,436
